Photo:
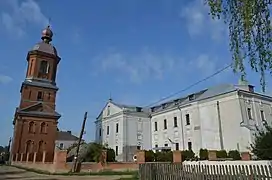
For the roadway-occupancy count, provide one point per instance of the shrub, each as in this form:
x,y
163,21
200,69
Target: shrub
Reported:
x,y
149,156
234,154
164,156
110,155
221,154
187,155
203,154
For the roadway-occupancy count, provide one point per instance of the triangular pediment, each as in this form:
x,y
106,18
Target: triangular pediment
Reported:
x,y
109,109
39,107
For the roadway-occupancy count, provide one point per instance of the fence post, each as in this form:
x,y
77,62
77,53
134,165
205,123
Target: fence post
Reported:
x,y
177,157
141,156
22,155
43,158
212,155
27,156
16,157
34,157
245,156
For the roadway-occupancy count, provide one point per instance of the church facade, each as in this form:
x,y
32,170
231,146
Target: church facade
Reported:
x,y
35,120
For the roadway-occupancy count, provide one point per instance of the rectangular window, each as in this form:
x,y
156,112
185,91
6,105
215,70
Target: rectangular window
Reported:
x,y
108,130
165,124
117,127
249,113
262,115
175,122
156,126
49,95
177,146
40,96
165,145
116,150
187,119
138,147
100,132
156,146
189,145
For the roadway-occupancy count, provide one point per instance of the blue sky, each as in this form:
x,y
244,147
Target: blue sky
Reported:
x,y
136,50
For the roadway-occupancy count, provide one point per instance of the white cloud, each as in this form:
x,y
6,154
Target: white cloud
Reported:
x,y
206,65
22,14
200,23
138,67
5,79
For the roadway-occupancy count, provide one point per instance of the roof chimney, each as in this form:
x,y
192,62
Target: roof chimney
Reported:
x,y
244,85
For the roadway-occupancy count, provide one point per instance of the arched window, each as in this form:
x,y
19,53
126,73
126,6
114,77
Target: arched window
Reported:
x,y
41,146
31,127
29,146
43,127
44,67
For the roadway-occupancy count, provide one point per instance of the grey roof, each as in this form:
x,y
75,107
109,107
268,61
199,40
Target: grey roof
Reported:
x,y
130,107
197,96
66,136
45,47
40,84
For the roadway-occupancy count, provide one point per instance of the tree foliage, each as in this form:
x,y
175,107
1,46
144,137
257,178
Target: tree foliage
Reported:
x,y
262,146
250,33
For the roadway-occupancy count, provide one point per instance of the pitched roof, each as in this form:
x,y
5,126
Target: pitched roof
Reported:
x,y
66,136
197,96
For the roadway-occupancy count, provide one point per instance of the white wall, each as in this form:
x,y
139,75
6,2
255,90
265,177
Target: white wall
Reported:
x,y
203,130
66,144
129,126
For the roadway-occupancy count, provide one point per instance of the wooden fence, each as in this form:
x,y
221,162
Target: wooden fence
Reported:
x,y
177,171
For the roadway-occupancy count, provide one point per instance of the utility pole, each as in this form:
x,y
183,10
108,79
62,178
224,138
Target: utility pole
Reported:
x,y
79,141
9,151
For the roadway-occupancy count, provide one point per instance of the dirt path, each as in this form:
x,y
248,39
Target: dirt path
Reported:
x,y
7,172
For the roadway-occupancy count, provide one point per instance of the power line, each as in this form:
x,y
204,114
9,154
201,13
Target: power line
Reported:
x,y
190,86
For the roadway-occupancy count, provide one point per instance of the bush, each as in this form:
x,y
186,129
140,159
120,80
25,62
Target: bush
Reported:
x,y
110,155
149,156
187,155
234,154
203,154
221,154
164,156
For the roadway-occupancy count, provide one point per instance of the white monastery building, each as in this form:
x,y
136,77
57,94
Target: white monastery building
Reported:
x,y
217,118
124,129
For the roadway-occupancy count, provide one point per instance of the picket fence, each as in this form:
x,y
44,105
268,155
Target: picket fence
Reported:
x,y
179,171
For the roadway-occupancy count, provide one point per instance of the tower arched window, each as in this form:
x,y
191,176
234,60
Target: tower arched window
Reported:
x,y
41,146
44,67
43,127
29,146
31,127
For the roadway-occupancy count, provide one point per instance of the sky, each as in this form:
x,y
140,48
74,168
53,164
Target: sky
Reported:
x,y
135,51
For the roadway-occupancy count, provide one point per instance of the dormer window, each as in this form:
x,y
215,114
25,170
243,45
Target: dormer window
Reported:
x,y
191,97
138,109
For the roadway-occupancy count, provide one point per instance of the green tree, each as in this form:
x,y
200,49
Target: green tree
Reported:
x,y
249,32
234,154
262,146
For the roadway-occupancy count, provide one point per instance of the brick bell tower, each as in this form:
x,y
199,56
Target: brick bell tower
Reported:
x,y
35,121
